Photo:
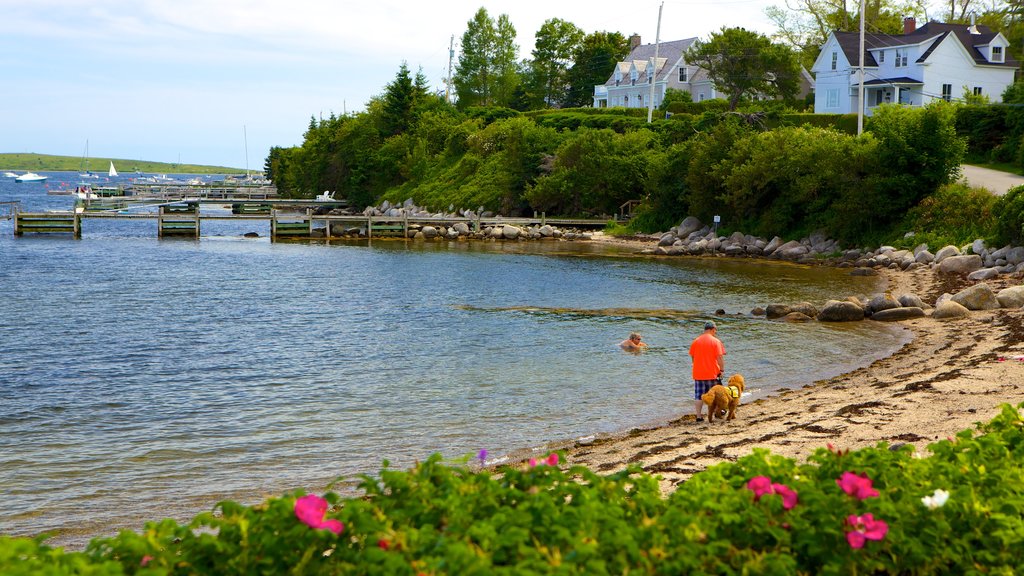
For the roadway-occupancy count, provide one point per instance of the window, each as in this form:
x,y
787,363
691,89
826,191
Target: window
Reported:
x,y
702,95
947,92
832,98
878,97
835,59
977,90
997,53
896,62
682,74
881,56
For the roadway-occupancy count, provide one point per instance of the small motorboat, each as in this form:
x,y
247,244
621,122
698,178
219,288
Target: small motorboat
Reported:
x,y
10,175
30,177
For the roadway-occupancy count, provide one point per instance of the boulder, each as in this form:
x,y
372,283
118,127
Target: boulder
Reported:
x,y
949,309
911,301
1015,255
688,226
962,265
429,232
546,230
894,314
757,311
924,257
773,311
882,302
836,311
461,227
667,239
772,246
977,297
791,250
946,252
805,308
797,317
983,274
1012,297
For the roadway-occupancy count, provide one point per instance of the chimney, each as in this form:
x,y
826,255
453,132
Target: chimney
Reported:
x,y
909,25
974,27
634,42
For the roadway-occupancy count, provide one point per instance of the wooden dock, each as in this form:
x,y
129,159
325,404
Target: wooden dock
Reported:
x,y
185,219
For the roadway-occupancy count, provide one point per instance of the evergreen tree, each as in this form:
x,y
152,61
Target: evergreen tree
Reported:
x,y
399,99
593,62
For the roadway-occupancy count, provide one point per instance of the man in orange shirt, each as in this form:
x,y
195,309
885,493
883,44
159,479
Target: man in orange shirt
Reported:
x,y
708,356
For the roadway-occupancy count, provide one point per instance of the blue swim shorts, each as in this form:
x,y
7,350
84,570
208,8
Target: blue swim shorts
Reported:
x,y
701,387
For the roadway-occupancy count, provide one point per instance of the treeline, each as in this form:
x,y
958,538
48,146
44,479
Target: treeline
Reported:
x,y
763,169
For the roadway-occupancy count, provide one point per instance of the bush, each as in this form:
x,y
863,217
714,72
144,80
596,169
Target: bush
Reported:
x,y
956,214
1009,211
880,510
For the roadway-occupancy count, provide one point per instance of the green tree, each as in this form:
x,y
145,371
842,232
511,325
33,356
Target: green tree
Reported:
x,y
487,73
399,100
742,64
673,95
555,44
593,62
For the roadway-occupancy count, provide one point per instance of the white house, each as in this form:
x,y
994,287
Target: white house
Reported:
x,y
629,86
935,61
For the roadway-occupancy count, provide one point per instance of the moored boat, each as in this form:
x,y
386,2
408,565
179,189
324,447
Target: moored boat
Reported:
x,y
30,177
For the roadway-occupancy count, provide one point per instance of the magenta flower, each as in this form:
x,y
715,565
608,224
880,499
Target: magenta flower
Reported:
x,y
552,459
310,510
533,462
865,528
762,485
482,456
789,498
858,486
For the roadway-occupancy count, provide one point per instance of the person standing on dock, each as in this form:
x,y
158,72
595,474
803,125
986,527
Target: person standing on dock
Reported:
x,y
708,355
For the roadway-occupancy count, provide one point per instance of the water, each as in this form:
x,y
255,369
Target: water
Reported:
x,y
142,379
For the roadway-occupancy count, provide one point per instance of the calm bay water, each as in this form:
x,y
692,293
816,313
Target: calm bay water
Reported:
x,y
142,379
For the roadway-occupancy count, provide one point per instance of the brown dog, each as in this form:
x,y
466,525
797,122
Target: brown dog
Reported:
x,y
720,399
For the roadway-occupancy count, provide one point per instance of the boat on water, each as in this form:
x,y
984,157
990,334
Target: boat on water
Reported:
x,y
30,177
84,171
10,175
112,172
89,192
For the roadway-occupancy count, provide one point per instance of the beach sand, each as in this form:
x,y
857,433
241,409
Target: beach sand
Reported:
x,y
951,375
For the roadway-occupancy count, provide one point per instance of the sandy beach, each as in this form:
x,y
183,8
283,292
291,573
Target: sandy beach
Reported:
x,y
951,375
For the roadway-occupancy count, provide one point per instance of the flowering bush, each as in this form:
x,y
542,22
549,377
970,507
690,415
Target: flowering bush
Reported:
x,y
881,510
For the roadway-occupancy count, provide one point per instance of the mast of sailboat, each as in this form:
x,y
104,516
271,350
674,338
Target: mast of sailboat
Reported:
x,y
245,136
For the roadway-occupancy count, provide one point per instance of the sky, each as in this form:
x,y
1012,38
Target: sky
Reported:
x,y
220,82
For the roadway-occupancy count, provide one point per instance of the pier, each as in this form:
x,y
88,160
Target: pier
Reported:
x,y
288,219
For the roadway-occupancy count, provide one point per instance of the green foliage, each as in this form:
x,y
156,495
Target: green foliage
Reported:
x,y
955,214
1009,211
958,510
487,72
845,123
555,44
673,95
713,105
52,163
593,62
745,64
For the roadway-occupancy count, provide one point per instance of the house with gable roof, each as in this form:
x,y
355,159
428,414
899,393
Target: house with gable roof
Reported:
x,y
933,62
629,85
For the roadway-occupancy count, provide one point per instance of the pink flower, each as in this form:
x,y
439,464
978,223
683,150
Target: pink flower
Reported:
x,y
762,485
310,510
552,459
789,497
533,462
482,456
858,486
865,528
146,560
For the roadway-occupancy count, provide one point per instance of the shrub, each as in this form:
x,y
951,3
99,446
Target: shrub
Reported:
x,y
880,510
1009,211
955,214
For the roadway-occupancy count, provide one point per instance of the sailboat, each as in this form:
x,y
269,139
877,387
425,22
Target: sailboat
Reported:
x,y
84,171
112,172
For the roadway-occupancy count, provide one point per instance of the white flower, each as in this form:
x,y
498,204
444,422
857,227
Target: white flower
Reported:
x,y
936,500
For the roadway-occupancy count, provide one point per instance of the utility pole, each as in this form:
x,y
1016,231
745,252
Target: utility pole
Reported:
x,y
653,73
860,88
448,83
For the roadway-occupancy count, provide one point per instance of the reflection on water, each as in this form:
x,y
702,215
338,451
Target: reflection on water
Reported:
x,y
145,378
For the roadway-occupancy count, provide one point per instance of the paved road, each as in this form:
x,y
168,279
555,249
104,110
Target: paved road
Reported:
x,y
996,181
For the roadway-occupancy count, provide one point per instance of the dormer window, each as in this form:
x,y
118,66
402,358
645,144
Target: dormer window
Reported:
x,y
682,74
997,53
632,77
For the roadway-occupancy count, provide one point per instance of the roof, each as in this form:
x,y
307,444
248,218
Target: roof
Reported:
x,y
933,32
890,81
668,53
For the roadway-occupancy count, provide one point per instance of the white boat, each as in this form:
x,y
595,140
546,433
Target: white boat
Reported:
x,y
325,197
30,177
112,172
10,175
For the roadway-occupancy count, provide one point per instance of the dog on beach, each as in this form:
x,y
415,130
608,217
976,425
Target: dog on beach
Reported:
x,y
721,399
